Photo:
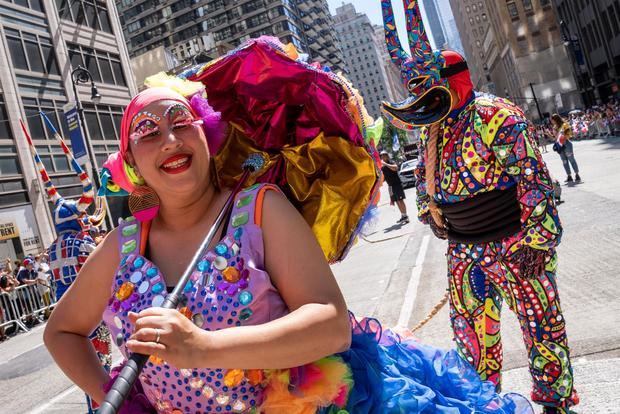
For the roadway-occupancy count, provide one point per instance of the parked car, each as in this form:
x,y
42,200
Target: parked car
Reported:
x,y
406,173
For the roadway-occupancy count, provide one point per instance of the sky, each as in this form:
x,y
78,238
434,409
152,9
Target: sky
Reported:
x,y
372,8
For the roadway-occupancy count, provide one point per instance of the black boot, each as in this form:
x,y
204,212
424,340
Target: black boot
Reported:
x,y
577,178
569,179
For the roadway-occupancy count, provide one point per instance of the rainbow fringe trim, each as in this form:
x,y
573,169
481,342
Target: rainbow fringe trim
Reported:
x,y
307,389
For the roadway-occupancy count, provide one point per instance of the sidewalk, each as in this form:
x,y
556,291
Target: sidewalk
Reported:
x,y
597,382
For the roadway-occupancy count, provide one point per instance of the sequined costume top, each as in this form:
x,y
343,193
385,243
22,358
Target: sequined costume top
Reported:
x,y
486,146
68,253
229,287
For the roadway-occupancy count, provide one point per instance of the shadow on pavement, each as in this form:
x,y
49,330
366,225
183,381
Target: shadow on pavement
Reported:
x,y
394,227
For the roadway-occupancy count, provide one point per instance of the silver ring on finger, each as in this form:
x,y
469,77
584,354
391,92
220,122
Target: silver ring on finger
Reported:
x,y
157,336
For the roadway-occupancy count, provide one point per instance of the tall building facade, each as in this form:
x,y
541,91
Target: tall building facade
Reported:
x,y
396,90
363,59
591,32
188,27
527,48
42,42
448,22
320,33
434,24
472,21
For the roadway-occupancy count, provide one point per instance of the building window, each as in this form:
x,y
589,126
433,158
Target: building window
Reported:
x,y
103,122
12,188
5,128
30,4
90,13
527,5
103,66
545,3
53,110
617,7
606,25
614,22
31,52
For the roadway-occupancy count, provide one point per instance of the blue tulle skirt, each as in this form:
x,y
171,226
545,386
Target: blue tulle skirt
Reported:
x,y
392,375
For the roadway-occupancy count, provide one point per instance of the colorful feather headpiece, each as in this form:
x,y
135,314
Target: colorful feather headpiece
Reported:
x,y
425,72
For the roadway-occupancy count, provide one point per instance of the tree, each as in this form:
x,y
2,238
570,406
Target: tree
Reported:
x,y
387,138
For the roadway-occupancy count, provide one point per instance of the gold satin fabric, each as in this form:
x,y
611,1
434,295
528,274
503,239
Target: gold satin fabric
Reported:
x,y
328,179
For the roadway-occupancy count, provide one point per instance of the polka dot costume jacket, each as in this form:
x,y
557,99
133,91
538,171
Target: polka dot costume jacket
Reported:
x,y
229,287
484,147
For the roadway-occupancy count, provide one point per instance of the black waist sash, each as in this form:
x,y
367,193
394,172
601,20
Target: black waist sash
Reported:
x,y
484,218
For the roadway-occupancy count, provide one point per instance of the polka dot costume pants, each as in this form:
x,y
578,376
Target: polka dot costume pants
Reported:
x,y
481,277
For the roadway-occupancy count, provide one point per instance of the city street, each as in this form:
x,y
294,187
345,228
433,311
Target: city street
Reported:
x,y
398,274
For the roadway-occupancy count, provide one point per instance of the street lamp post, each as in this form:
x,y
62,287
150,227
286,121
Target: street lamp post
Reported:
x,y
573,46
81,75
540,115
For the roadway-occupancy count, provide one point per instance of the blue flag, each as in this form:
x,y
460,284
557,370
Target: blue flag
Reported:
x,y
395,142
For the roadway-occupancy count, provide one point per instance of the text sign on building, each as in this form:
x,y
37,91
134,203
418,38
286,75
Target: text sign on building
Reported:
x,y
8,231
78,145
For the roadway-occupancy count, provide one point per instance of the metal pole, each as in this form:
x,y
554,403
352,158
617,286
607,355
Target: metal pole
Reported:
x,y
536,101
579,28
89,148
572,55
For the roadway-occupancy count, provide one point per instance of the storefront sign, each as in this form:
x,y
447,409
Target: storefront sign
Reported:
x,y
8,231
20,222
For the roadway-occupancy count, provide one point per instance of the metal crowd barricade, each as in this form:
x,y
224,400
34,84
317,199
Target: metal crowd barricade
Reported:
x,y
25,305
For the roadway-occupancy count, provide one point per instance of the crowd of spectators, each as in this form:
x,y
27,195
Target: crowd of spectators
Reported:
x,y
596,122
32,270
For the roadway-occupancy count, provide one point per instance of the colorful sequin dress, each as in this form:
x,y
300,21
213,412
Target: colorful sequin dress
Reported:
x,y
230,287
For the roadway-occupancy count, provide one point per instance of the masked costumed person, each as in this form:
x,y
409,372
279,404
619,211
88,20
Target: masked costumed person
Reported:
x,y
73,244
262,299
484,186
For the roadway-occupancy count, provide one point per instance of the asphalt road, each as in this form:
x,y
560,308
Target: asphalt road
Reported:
x,y
399,274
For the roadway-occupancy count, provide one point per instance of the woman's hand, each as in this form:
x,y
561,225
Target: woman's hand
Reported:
x,y
169,335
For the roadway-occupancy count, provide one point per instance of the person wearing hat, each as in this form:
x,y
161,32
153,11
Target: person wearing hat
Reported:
x,y
397,193
26,274
483,186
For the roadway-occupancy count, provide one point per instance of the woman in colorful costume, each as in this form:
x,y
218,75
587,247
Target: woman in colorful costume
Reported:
x,y
484,186
262,299
69,251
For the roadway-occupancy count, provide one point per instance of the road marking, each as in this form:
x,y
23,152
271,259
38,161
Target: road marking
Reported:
x,y
44,407
407,309
61,396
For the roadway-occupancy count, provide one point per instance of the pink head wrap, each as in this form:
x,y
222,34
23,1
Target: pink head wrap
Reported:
x,y
142,100
199,107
